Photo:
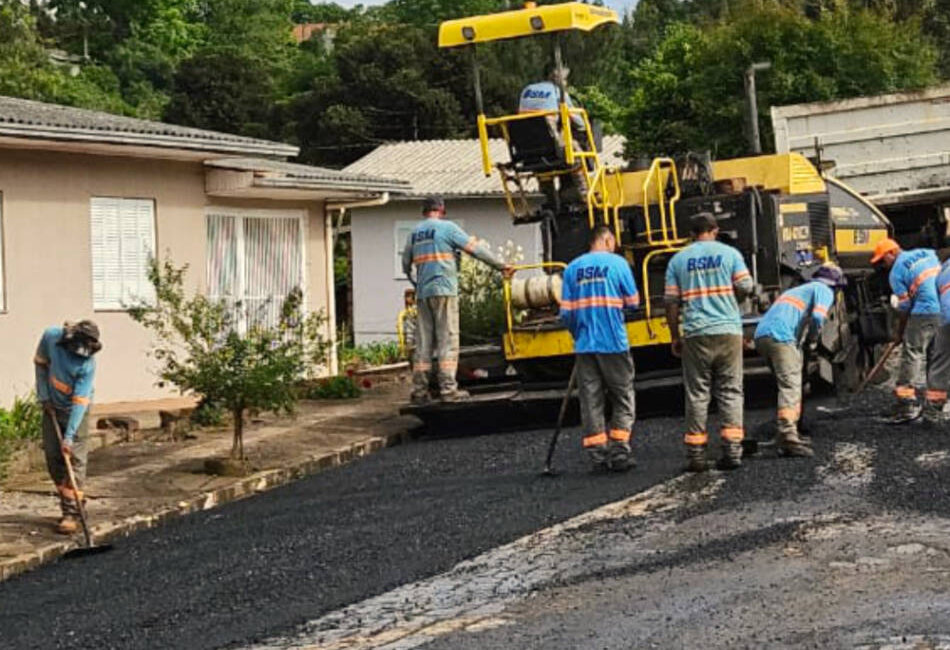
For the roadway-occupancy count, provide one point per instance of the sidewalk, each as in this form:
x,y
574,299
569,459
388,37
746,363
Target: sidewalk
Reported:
x,y
137,485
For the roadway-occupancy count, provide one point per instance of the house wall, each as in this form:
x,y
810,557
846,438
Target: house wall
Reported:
x,y
378,287
47,257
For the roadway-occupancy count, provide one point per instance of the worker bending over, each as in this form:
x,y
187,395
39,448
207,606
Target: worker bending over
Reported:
x,y
794,318
65,372
706,279
431,249
913,279
598,287
938,374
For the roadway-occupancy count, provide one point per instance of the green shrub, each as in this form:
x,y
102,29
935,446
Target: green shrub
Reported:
x,y
19,424
338,387
380,353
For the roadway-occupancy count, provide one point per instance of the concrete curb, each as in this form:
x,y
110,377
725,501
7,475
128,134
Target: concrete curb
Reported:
x,y
240,489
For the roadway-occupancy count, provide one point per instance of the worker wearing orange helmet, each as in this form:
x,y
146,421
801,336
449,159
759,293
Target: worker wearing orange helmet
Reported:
x,y
913,280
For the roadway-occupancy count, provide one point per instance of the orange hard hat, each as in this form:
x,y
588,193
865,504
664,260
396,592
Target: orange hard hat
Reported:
x,y
885,246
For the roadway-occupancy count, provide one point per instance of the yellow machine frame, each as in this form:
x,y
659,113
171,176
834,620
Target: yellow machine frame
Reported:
x,y
610,189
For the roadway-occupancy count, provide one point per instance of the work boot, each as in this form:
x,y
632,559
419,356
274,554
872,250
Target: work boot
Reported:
x,y
934,415
794,446
420,399
731,456
456,396
907,411
67,525
599,457
696,458
619,457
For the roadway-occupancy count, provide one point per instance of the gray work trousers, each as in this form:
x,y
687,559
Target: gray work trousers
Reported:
x,y
916,355
785,360
437,335
57,466
938,372
712,366
610,375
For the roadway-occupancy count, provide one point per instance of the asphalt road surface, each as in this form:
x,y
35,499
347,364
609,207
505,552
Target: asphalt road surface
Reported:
x,y
778,554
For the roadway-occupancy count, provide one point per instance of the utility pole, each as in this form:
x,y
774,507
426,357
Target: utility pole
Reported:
x,y
751,99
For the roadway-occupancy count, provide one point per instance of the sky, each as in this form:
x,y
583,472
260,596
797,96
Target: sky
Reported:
x,y
619,5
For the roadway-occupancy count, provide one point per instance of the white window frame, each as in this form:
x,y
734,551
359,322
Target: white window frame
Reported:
x,y
106,304
250,213
399,243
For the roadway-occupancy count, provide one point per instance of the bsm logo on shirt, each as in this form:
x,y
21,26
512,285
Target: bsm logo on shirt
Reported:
x,y
423,235
705,263
587,273
531,93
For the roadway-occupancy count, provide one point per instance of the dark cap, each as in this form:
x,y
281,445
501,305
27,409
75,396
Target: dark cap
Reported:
x,y
432,204
702,222
830,275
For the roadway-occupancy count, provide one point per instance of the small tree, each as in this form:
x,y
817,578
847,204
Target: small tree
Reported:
x,y
230,358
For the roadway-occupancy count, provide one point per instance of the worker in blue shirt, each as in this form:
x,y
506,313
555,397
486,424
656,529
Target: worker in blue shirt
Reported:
x,y
431,250
544,97
913,279
705,280
598,287
938,374
795,318
65,373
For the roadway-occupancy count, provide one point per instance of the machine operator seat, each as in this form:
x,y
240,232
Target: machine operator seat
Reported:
x,y
534,147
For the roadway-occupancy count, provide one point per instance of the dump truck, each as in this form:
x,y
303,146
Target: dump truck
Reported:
x,y
778,210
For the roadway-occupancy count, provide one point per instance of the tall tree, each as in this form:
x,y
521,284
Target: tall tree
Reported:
x,y
689,94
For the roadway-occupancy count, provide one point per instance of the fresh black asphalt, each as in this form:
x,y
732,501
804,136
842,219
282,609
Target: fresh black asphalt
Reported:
x,y
261,566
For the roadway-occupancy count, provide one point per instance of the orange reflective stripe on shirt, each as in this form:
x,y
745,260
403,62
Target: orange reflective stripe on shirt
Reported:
x,y
791,300
672,290
708,292
594,301
820,310
944,288
631,301
922,277
433,257
740,275
82,401
60,386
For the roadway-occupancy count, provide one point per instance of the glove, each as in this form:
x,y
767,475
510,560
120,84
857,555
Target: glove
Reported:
x,y
67,447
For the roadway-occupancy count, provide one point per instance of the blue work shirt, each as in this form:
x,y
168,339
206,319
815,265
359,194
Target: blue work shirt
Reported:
x,y
703,277
597,288
545,96
786,318
431,249
64,379
914,281
943,288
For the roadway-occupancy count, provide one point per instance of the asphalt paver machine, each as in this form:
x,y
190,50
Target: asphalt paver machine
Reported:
x,y
778,210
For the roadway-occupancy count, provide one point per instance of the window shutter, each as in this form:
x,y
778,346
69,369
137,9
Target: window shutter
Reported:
x,y
137,225
106,262
123,239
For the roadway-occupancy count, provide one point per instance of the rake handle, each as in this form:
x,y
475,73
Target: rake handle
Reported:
x,y
877,367
72,478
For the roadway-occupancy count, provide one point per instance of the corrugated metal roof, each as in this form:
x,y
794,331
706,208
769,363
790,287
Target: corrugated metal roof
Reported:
x,y
30,119
450,167
307,175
